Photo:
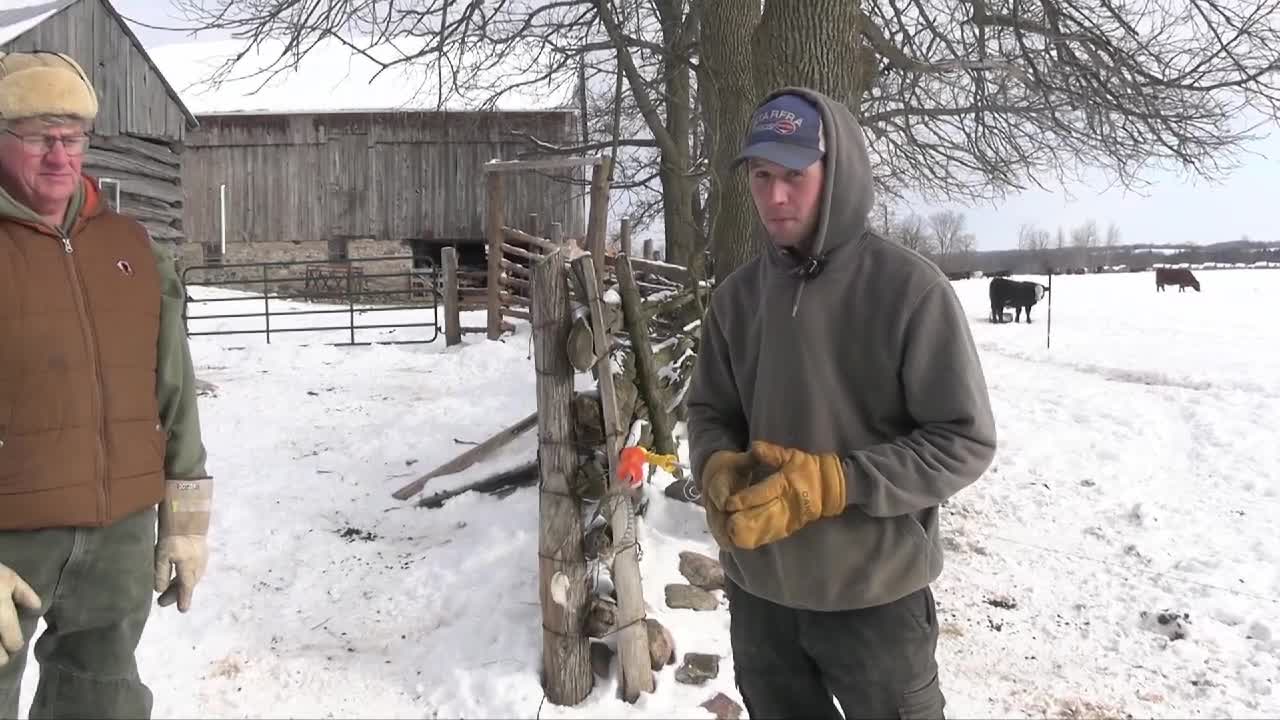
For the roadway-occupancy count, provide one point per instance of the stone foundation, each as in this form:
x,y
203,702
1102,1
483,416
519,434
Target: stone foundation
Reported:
x,y
328,276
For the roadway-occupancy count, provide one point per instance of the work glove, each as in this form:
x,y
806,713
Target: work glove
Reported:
x,y
181,550
14,591
803,488
724,473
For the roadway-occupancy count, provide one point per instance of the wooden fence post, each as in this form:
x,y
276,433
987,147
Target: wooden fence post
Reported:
x,y
598,222
633,645
452,320
624,237
494,220
648,249
562,568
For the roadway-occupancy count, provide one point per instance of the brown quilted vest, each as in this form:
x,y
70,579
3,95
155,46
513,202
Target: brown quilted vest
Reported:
x,y
80,438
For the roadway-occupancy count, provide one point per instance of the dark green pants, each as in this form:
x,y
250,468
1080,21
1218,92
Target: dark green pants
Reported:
x,y
877,662
96,586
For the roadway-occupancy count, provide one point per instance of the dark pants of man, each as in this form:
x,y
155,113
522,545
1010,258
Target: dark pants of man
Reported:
x,y
96,585
877,662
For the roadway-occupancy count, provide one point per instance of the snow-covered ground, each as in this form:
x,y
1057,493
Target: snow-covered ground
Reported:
x,y
1138,474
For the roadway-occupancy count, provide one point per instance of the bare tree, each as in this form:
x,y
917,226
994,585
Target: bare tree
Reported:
x,y
1112,242
913,234
1084,238
908,230
966,101
975,100
947,227
1033,239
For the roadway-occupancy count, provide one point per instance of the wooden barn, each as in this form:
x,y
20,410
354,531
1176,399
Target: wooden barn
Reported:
x,y
340,158
137,141
333,185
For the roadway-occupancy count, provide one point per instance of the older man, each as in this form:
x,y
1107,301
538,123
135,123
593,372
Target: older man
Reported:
x,y
99,433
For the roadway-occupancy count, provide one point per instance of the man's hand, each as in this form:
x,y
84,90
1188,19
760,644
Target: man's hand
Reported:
x,y
804,487
725,473
182,553
180,563
14,591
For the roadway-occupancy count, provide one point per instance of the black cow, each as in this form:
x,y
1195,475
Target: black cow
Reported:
x,y
1018,294
1181,277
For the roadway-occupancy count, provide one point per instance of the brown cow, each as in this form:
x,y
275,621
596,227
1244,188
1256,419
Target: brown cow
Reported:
x,y
1176,276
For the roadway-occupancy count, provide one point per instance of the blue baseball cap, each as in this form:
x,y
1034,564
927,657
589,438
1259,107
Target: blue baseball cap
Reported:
x,y
787,130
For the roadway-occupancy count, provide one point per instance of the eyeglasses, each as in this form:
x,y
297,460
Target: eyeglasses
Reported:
x,y
41,144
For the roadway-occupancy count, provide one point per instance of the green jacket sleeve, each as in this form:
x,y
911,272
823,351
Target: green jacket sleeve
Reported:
x,y
176,378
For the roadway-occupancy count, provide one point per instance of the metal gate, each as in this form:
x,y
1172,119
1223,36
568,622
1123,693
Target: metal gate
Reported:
x,y
388,288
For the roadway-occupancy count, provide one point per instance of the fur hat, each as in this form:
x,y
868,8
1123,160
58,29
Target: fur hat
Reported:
x,y
44,83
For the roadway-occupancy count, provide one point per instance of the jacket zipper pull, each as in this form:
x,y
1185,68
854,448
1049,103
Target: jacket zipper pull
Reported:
x,y
66,245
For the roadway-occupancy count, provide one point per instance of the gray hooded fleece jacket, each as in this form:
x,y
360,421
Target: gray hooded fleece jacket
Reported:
x,y
871,359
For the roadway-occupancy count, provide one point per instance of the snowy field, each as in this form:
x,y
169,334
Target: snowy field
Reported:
x,y
1137,475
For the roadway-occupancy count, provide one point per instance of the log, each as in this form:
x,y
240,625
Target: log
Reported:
x,y
114,162
517,283
562,568
452,319
162,233
509,249
515,269
541,243
675,273
653,309
513,300
158,152
143,211
522,474
517,313
633,651
646,369
470,457
493,229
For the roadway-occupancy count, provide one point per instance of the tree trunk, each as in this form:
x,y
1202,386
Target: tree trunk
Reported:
x,y
726,67
816,44
677,189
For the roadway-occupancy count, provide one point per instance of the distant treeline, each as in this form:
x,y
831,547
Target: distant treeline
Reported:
x,y
1134,258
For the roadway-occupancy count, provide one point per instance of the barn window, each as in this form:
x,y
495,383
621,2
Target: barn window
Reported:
x,y
110,189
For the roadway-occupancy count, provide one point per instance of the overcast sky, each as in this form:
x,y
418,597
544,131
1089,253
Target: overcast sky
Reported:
x,y
1175,209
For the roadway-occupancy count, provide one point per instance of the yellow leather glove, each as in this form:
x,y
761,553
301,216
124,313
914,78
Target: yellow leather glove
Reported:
x,y
804,487
182,552
14,591
724,473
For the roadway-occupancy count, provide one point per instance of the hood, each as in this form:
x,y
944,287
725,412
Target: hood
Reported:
x,y
83,205
847,192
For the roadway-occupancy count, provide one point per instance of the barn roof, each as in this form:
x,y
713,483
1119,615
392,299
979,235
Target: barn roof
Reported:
x,y
19,16
332,77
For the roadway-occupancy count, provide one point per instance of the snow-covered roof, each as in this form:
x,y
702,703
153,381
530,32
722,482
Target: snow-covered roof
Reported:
x,y
331,77
19,16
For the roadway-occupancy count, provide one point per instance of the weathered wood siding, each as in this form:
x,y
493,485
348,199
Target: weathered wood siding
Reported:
x,y
138,134
132,96
387,176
